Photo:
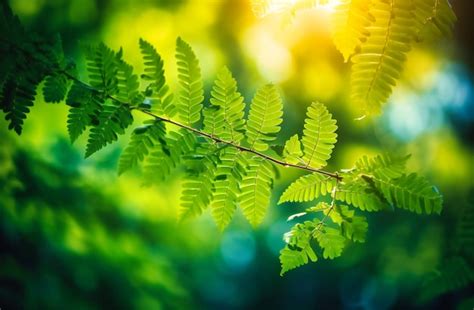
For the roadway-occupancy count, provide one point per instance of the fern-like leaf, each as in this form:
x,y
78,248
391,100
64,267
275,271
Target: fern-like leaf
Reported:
x,y
292,151
435,19
298,250
168,155
226,186
265,117
191,92
319,136
293,258
255,188
85,106
360,195
231,103
410,192
355,228
127,84
349,22
214,121
158,164
142,140
384,166
379,64
113,120
453,275
22,95
154,73
307,188
331,241
55,88
197,190
102,68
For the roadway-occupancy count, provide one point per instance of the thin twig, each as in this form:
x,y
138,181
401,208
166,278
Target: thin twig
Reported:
x,y
241,148
331,207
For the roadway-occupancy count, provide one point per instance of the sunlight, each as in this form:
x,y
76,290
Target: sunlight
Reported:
x,y
263,8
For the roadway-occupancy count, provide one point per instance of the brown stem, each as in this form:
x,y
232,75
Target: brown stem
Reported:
x,y
334,175
331,207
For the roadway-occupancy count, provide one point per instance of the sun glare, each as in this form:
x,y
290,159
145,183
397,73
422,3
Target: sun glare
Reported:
x,y
267,7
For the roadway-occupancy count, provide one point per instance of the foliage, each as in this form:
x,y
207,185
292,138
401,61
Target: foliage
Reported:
x,y
230,160
376,35
456,271
349,22
72,237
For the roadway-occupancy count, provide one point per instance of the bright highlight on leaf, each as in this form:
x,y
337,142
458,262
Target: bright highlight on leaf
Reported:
x,y
230,105
319,136
307,188
154,74
256,189
349,22
191,92
376,35
265,117
292,151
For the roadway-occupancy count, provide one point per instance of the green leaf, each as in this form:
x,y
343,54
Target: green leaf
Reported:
x,y
158,165
255,188
214,121
454,274
265,117
319,136
384,166
349,21
113,120
21,97
338,214
307,188
142,140
331,241
292,259
292,151
55,88
191,92
154,73
85,106
127,84
434,19
360,195
195,197
226,186
168,155
197,190
356,228
411,192
378,65
224,95
102,68
298,250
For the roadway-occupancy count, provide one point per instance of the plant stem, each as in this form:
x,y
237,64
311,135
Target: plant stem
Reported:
x,y
331,207
334,175
242,148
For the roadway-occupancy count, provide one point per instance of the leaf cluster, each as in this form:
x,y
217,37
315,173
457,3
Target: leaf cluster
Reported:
x,y
376,36
228,156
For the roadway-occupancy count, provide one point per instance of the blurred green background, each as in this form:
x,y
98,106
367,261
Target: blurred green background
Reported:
x,y
74,235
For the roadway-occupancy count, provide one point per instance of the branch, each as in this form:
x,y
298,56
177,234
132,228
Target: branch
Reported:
x,y
331,207
334,175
